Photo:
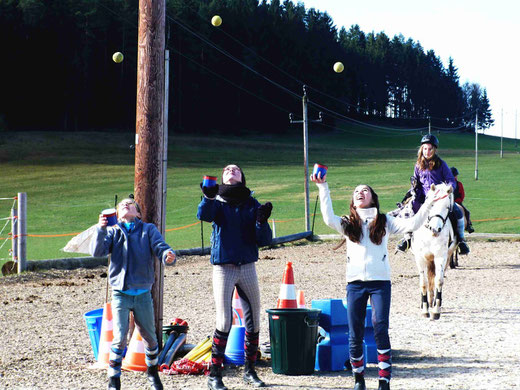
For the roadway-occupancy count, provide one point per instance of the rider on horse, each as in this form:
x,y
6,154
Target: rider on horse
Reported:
x,y
431,169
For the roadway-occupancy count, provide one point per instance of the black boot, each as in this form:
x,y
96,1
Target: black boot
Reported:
x,y
404,244
153,378
463,248
215,379
250,375
114,383
470,228
383,385
360,382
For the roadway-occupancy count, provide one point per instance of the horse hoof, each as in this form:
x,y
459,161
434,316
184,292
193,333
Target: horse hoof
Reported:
x,y
436,316
426,315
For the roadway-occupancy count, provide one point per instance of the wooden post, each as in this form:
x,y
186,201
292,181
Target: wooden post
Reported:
x,y
22,231
150,128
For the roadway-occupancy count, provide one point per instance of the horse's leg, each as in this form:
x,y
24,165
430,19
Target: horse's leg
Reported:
x,y
424,294
440,265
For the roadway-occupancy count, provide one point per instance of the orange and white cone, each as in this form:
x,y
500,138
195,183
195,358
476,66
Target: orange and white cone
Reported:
x,y
135,356
287,297
105,338
238,312
300,299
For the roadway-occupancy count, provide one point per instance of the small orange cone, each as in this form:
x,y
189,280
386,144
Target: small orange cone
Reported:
x,y
238,312
287,297
134,359
105,338
301,299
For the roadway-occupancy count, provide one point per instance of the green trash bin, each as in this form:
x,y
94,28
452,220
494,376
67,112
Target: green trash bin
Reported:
x,y
293,334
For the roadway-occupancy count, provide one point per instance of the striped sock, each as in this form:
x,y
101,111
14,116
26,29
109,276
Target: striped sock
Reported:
x,y
151,357
358,365
114,364
218,348
251,346
384,357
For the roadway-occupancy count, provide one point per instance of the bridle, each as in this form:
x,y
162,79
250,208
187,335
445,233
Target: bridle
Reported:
x,y
443,219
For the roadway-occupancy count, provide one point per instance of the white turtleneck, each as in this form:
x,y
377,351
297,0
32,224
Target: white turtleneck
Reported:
x,y
365,259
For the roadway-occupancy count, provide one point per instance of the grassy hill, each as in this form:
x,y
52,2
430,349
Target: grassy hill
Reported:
x,y
70,177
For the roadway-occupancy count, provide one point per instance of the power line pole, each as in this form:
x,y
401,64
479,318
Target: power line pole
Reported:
x,y
150,128
502,133
476,145
516,118
305,122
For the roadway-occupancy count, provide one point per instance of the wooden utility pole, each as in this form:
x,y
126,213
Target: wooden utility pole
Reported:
x,y
150,128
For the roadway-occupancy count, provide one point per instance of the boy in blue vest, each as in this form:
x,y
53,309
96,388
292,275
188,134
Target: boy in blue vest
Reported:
x,y
132,244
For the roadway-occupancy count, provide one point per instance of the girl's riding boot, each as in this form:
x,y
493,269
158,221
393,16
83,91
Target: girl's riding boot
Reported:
x,y
463,247
383,385
215,378
360,382
250,375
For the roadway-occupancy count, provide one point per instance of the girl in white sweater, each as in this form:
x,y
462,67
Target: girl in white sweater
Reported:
x,y
366,231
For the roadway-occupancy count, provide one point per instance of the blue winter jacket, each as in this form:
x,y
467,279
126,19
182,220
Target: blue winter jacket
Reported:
x,y
425,178
132,260
236,235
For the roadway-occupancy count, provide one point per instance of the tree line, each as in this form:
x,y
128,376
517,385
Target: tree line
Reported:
x,y
247,74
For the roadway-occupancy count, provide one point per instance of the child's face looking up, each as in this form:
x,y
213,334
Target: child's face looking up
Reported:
x,y
126,210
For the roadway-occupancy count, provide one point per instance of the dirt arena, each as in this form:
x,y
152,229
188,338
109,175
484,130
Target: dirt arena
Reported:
x,y
44,342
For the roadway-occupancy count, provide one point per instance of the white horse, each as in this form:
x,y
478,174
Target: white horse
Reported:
x,y
432,245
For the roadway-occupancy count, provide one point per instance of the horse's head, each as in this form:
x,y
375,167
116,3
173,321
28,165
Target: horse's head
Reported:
x,y
442,197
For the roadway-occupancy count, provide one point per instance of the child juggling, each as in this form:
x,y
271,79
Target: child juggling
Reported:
x,y
132,244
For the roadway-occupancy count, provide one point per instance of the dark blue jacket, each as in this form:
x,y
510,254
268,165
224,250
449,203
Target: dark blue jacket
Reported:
x,y
236,235
132,260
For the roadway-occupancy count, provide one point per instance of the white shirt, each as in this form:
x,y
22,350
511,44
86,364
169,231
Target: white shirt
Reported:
x,y
366,260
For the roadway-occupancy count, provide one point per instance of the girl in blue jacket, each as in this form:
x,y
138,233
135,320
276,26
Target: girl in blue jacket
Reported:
x,y
239,228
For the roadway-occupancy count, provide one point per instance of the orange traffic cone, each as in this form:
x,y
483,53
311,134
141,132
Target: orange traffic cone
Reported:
x,y
134,359
287,297
105,338
301,299
238,312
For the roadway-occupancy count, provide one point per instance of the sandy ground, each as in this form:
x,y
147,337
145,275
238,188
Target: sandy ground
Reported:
x,y
44,342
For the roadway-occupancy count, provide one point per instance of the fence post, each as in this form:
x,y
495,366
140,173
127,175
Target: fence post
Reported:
x,y
14,235
22,231
274,228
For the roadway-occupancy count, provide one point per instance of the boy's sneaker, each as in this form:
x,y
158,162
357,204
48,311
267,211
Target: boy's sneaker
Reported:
x,y
153,378
114,383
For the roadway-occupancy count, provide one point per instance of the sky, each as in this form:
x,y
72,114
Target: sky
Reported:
x,y
480,35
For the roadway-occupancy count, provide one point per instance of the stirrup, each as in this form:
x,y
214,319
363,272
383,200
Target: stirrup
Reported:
x,y
403,245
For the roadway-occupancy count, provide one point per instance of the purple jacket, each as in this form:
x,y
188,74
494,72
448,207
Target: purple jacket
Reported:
x,y
425,178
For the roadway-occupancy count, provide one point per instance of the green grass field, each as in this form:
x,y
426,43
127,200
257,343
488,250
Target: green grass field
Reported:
x,y
70,177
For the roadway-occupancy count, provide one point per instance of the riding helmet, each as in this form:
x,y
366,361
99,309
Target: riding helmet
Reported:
x,y
430,139
454,171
